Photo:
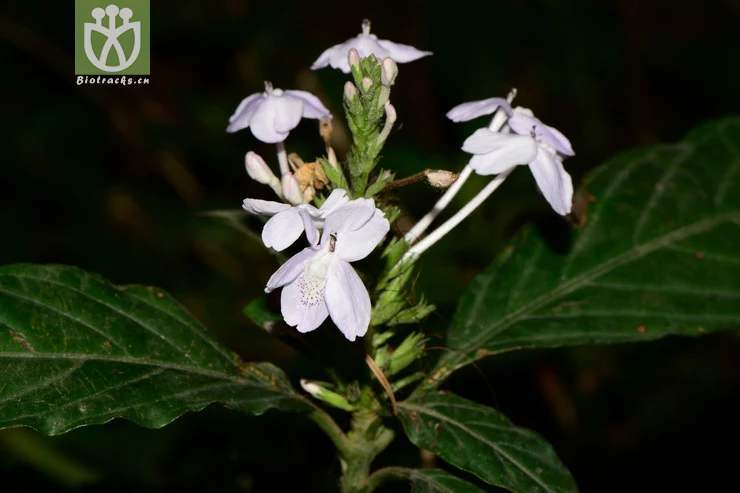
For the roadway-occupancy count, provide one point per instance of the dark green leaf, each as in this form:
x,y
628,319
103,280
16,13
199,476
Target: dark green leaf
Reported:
x,y
76,350
480,440
438,481
658,255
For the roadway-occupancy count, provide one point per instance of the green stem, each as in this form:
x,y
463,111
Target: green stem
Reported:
x,y
358,448
331,428
382,475
367,438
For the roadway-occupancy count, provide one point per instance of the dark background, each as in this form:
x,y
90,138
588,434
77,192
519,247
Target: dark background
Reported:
x,y
114,179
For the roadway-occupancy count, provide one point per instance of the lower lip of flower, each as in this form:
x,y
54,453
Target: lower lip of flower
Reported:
x,y
312,290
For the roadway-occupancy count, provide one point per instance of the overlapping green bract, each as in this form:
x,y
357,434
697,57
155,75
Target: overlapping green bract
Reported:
x,y
76,350
658,255
484,442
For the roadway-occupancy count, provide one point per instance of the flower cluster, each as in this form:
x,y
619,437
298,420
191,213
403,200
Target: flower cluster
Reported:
x,y
345,226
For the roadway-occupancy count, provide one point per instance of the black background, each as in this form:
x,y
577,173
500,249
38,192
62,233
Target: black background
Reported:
x,y
113,179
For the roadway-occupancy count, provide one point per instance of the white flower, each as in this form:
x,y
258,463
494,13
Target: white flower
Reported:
x,y
532,142
469,111
291,189
288,222
367,44
272,114
259,171
319,282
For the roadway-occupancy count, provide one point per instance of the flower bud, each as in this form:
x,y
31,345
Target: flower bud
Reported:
x,y
406,353
354,58
390,119
319,391
257,168
291,189
367,82
440,178
389,71
350,91
390,113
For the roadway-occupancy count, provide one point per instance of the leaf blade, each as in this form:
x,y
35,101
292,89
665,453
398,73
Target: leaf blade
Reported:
x,y
482,441
657,257
438,481
77,350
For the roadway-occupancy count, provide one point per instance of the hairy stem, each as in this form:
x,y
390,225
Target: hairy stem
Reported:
x,y
367,438
331,428
409,180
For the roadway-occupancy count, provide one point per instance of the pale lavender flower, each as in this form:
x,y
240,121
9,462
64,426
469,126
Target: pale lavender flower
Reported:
x,y
288,222
319,281
531,142
367,44
272,114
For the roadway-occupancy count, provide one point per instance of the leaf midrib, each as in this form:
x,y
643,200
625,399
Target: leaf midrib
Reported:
x,y
634,253
479,437
128,360
191,328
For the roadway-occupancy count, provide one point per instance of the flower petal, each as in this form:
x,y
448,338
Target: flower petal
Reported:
x,y
260,207
366,45
468,111
336,57
282,229
402,53
288,112
523,123
349,217
312,234
347,300
355,245
312,106
337,198
557,140
506,151
243,114
290,269
303,314
553,181
323,59
262,123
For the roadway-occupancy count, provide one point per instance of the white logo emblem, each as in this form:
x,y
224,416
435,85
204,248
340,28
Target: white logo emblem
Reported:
x,y
112,33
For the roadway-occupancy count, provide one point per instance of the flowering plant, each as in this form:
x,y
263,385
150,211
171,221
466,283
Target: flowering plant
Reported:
x,y
82,351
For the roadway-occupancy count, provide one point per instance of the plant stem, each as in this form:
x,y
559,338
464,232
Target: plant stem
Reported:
x,y
357,448
282,156
448,225
441,204
409,180
367,438
330,427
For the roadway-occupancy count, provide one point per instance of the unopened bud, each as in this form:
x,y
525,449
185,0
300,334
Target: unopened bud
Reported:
x,y
440,178
291,189
353,57
390,113
367,82
390,119
257,168
350,91
389,71
319,391
406,353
